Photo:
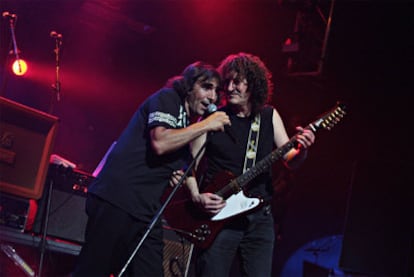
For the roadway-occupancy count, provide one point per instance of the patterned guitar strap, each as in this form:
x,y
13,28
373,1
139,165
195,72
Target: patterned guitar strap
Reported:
x,y
252,144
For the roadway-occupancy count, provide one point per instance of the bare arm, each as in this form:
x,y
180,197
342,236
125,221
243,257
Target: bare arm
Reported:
x,y
305,138
208,202
165,140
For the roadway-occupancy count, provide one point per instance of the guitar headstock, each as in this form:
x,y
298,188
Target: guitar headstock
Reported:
x,y
330,118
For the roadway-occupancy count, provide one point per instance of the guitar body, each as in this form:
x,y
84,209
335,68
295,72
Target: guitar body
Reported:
x,y
199,227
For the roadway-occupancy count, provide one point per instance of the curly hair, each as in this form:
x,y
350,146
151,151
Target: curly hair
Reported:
x,y
198,71
256,73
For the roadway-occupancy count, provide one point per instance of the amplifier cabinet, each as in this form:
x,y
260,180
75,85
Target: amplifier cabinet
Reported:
x,y
66,218
27,136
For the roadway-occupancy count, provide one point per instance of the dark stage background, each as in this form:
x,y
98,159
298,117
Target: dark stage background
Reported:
x,y
116,53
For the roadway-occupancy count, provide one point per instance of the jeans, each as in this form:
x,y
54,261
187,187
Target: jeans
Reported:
x,y
249,238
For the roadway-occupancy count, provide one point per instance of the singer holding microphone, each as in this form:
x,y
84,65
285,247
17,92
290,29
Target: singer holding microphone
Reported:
x,y
258,129
125,196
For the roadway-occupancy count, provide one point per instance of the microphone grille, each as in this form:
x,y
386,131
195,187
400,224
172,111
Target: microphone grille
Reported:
x,y
211,108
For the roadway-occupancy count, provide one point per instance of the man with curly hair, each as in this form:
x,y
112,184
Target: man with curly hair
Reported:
x,y
126,194
256,129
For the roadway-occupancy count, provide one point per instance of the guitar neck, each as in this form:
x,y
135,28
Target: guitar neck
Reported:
x,y
326,121
238,183
264,164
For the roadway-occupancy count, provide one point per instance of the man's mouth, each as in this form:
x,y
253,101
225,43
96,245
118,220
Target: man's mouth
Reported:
x,y
205,103
234,92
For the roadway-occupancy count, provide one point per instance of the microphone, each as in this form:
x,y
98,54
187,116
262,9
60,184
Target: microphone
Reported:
x,y
9,15
212,108
54,34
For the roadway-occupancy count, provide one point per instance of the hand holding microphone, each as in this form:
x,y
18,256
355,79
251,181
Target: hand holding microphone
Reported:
x,y
219,121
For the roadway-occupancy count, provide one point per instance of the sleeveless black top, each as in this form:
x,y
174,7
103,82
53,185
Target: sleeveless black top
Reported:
x,y
223,154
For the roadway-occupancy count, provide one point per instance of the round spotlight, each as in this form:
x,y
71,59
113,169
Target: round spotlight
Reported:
x,y
19,67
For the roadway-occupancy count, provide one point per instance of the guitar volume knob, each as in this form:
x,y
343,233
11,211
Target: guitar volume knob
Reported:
x,y
204,226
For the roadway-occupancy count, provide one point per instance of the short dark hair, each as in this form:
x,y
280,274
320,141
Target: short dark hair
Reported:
x,y
256,73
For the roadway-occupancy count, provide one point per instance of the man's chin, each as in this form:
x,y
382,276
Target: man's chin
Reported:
x,y
232,100
202,112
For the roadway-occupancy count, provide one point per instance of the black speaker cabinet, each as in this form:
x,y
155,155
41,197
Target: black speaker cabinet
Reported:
x,y
378,236
26,140
66,218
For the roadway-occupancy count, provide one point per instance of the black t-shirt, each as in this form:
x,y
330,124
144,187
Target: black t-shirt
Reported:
x,y
223,154
134,177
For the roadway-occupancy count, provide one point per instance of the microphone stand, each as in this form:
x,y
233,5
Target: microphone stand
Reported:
x,y
161,210
56,85
43,241
15,51
12,22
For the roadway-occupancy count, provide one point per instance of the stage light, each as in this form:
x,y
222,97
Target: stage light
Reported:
x,y
19,67
291,44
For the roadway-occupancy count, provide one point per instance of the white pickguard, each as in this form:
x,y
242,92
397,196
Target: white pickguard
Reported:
x,y
236,204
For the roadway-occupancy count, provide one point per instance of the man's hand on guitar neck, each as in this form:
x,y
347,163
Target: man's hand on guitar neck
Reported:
x,y
305,137
295,156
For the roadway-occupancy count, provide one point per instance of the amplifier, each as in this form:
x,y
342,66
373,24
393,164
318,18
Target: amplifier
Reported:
x,y
68,179
67,217
17,212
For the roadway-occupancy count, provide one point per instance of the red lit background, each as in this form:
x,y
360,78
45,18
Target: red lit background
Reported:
x,y
116,53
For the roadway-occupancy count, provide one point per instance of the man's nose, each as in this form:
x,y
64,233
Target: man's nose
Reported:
x,y
212,95
230,86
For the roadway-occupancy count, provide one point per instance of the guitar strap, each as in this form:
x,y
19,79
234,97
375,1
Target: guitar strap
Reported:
x,y
252,144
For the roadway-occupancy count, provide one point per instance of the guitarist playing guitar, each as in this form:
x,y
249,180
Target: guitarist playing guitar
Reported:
x,y
246,224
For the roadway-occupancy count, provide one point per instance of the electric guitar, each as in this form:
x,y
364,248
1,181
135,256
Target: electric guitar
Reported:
x,y
201,228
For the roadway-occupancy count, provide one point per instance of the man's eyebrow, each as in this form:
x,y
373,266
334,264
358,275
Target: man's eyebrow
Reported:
x,y
207,85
